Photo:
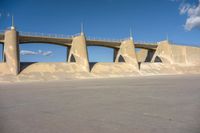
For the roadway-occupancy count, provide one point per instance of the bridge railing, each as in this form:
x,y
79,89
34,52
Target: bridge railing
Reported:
x,y
118,40
33,34
102,39
143,42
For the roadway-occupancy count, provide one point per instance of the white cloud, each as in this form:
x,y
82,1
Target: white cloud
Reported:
x,y
39,52
193,15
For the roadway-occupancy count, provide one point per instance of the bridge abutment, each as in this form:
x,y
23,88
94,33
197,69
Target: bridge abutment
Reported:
x,y
11,51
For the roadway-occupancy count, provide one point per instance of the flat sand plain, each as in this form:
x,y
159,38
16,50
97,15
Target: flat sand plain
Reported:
x,y
157,104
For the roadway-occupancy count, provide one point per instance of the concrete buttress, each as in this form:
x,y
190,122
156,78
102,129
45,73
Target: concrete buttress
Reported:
x,y
12,51
127,53
78,52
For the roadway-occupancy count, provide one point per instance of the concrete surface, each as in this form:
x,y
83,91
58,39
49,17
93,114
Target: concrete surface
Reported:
x,y
158,104
127,62
12,51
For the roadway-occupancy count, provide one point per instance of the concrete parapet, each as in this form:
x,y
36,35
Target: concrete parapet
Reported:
x,y
11,50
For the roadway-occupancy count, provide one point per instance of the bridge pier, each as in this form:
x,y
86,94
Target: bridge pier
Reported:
x,y
163,53
115,52
11,51
127,53
78,52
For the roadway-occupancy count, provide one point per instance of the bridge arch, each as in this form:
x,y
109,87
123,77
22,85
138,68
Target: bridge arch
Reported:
x,y
43,52
101,53
145,54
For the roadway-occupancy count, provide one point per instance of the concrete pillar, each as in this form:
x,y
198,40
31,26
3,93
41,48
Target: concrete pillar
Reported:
x,y
115,52
163,53
67,53
127,53
78,52
11,50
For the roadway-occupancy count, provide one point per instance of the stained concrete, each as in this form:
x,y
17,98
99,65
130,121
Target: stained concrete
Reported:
x,y
162,58
12,51
158,104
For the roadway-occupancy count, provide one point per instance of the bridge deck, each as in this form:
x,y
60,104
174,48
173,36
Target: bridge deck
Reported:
x,y
67,41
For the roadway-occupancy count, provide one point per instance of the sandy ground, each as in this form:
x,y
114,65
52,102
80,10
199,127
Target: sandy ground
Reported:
x,y
159,104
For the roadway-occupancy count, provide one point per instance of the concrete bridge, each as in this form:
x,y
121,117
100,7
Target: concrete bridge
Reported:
x,y
126,59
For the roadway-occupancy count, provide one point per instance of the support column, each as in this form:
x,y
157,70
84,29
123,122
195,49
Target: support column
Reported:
x,y
115,52
67,54
78,52
163,53
11,50
127,53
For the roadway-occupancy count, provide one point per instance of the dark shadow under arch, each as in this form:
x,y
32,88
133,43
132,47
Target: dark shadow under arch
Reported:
x,y
150,55
72,58
157,59
121,59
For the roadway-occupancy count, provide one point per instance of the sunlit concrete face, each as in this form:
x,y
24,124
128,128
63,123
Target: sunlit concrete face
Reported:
x,y
153,59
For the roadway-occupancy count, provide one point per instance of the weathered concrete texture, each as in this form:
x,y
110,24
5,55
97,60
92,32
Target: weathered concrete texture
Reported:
x,y
12,51
125,61
163,53
4,69
163,58
141,55
174,54
110,69
52,68
127,53
78,52
145,55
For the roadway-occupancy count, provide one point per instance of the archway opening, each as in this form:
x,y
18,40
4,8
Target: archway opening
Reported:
x,y
1,53
144,55
100,54
40,52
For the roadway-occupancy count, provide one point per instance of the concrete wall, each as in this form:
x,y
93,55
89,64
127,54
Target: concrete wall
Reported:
x,y
175,54
173,59
113,68
52,68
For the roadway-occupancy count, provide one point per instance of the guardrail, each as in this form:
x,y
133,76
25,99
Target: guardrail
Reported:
x,y
102,39
34,34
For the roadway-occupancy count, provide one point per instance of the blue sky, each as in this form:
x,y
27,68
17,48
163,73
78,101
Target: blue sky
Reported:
x,y
150,20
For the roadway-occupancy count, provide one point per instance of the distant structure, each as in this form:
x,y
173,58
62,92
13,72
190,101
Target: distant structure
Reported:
x,y
153,58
